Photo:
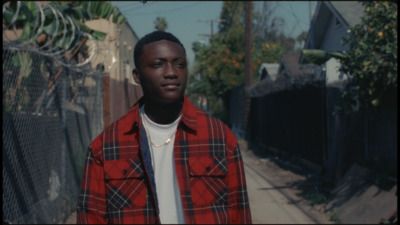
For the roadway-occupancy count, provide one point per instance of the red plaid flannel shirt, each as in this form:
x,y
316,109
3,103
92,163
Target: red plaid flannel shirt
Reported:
x,y
116,184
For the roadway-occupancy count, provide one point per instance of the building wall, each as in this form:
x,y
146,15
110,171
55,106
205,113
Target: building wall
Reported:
x,y
332,41
333,36
105,51
120,91
127,40
333,75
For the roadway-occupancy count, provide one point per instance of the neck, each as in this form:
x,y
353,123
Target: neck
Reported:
x,y
162,113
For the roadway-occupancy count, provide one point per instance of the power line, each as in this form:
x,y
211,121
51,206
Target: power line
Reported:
x,y
248,43
294,14
169,10
135,6
211,24
295,17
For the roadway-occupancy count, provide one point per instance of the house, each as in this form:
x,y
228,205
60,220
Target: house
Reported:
x,y
301,92
289,64
353,138
286,74
329,26
268,71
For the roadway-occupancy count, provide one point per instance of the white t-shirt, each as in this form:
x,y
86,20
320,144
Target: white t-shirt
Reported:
x,y
162,159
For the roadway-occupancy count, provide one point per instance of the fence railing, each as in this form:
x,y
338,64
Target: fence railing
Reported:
x,y
52,109
296,118
51,112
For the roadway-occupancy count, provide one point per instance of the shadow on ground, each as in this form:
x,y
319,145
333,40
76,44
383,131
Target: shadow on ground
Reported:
x,y
354,199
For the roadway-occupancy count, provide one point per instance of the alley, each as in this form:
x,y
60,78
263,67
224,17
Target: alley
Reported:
x,y
268,205
273,201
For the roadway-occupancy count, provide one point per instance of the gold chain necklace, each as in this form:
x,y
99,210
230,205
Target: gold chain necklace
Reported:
x,y
149,136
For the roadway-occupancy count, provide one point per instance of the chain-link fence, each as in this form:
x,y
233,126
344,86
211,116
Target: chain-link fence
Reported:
x,y
51,112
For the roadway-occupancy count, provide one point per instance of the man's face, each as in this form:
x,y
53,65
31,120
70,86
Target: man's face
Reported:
x,y
163,71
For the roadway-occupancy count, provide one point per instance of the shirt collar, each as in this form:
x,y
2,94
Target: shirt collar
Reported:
x,y
189,115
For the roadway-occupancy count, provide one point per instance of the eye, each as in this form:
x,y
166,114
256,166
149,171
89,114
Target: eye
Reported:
x,y
156,64
181,64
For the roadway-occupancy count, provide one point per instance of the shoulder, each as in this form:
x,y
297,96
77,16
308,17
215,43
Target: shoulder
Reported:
x,y
116,134
215,128
201,119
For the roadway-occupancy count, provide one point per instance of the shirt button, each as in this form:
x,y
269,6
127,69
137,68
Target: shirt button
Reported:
x,y
124,171
208,169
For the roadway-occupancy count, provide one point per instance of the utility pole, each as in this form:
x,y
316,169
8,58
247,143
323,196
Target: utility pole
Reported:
x,y
247,62
248,44
211,24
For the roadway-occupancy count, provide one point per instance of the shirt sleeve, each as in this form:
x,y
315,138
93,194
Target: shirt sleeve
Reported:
x,y
238,201
92,207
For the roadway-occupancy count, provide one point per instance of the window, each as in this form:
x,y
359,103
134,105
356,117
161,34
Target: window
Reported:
x,y
338,24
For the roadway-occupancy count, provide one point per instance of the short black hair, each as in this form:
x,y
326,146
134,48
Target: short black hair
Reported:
x,y
150,38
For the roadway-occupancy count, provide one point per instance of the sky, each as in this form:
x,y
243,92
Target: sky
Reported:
x,y
188,20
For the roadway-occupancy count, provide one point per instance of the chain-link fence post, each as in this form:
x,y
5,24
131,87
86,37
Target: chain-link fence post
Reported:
x,y
63,109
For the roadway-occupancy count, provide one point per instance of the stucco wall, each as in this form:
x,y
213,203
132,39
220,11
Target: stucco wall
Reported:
x,y
127,40
119,89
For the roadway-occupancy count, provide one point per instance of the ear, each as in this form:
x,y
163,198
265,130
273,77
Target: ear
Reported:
x,y
136,77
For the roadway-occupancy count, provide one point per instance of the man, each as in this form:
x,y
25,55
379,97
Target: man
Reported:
x,y
165,161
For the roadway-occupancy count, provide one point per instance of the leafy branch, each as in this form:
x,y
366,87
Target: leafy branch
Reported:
x,y
371,60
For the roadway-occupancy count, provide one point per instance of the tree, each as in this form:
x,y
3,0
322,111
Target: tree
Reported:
x,y
78,11
371,61
269,28
160,24
302,37
219,66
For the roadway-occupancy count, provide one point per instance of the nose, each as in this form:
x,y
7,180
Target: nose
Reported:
x,y
170,71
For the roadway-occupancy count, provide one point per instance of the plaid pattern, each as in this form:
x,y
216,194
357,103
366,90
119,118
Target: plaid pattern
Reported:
x,y
116,184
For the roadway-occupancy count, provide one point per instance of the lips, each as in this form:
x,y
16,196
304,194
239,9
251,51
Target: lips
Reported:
x,y
171,85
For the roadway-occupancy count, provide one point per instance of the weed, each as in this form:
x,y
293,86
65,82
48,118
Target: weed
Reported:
x,y
381,180
316,197
333,216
